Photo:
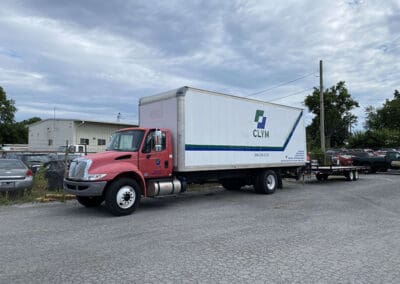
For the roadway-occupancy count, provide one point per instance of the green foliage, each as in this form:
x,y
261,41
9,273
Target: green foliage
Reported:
x,y
382,124
386,138
386,117
7,110
20,130
338,117
12,132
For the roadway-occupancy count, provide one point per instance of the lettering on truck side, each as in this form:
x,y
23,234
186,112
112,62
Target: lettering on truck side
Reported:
x,y
261,133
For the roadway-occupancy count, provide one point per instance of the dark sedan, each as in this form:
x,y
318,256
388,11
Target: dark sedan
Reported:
x,y
14,175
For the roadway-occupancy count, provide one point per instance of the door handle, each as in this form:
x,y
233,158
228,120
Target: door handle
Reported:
x,y
148,156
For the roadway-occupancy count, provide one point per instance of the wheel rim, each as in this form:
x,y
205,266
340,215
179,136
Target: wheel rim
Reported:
x,y
356,175
126,197
270,182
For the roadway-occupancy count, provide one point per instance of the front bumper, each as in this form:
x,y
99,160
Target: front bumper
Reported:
x,y
84,188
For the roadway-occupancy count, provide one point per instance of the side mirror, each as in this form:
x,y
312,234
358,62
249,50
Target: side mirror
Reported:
x,y
158,140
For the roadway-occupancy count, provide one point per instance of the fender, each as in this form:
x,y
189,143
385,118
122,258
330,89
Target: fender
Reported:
x,y
114,170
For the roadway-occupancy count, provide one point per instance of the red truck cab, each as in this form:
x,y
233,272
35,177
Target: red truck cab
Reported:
x,y
138,162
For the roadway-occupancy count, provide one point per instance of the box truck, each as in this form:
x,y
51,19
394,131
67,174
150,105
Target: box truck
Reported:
x,y
187,136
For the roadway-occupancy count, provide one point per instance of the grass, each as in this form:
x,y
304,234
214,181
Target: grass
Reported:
x,y
38,193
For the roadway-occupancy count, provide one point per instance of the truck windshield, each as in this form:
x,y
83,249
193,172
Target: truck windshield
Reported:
x,y
129,141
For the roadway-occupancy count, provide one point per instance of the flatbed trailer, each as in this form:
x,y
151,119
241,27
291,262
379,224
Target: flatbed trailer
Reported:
x,y
351,173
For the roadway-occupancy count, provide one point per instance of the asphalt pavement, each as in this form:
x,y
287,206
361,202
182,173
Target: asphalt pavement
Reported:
x,y
316,232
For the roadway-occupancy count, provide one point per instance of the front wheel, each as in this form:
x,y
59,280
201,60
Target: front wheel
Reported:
x,y
266,182
90,201
123,196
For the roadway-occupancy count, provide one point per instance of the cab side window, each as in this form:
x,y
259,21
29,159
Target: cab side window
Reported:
x,y
150,142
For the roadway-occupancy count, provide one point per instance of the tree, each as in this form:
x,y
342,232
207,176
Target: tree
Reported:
x,y
372,120
338,117
375,139
12,132
387,117
7,110
21,131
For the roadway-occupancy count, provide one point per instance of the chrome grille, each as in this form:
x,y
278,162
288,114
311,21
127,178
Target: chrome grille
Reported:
x,y
78,168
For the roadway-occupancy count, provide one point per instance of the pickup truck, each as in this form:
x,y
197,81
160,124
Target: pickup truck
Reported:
x,y
378,163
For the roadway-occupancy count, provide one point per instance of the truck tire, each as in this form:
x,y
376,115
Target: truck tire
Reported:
x,y
90,201
266,182
123,196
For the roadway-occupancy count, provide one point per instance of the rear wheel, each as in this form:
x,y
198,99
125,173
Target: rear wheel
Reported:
x,y
90,201
266,182
123,196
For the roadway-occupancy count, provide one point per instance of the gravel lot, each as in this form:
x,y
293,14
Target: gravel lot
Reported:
x,y
317,232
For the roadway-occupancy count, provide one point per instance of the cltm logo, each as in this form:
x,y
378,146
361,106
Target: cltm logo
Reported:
x,y
260,119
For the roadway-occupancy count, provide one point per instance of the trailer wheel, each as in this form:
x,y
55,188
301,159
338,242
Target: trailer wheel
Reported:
x,y
90,201
349,176
123,196
266,182
355,175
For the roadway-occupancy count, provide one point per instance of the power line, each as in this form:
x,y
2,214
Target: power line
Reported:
x,y
280,85
293,94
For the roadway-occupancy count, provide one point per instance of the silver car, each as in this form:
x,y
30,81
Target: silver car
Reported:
x,y
14,175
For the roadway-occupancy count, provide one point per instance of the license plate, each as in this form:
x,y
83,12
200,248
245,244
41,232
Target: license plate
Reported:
x,y
7,184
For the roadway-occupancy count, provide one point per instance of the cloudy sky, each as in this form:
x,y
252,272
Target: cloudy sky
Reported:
x,y
91,59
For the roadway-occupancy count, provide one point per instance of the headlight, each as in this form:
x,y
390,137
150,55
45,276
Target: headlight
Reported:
x,y
95,176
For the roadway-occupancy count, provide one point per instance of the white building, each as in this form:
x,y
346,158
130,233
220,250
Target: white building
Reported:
x,y
50,134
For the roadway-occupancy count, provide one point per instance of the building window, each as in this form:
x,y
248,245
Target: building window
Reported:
x,y
84,141
50,142
101,142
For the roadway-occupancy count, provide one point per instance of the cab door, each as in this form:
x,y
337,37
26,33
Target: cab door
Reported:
x,y
155,157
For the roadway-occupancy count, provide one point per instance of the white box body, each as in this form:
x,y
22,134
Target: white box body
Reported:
x,y
214,131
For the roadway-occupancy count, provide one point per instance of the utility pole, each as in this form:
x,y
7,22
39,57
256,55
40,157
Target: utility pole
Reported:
x,y
322,108
54,129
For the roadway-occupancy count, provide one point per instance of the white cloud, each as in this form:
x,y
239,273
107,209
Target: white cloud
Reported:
x,y
100,59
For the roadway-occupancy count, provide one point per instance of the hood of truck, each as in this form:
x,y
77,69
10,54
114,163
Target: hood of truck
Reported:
x,y
110,158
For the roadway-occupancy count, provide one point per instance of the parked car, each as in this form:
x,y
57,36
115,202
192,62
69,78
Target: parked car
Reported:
x,y
14,175
375,163
33,160
339,157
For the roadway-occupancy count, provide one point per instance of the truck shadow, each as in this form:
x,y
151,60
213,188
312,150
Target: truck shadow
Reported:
x,y
214,194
